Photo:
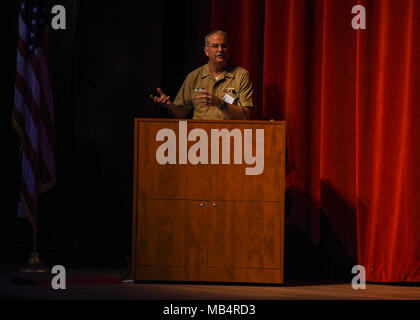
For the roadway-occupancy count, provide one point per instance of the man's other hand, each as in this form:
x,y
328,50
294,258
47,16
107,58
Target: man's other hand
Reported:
x,y
206,99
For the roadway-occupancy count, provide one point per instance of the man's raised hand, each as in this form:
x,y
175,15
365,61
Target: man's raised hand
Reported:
x,y
161,99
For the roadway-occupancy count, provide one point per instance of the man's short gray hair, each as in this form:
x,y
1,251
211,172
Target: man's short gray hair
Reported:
x,y
206,39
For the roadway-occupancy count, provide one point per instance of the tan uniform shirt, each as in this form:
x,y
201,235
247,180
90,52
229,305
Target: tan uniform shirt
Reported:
x,y
235,79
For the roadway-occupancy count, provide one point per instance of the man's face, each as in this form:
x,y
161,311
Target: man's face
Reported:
x,y
217,49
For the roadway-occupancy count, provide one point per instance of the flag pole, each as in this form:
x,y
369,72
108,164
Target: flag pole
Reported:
x,y
38,137
34,263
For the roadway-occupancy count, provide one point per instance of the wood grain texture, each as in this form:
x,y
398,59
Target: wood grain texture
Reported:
x,y
223,181
245,235
251,275
172,233
208,222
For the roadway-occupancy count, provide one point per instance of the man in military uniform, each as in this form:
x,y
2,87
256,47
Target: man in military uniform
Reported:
x,y
216,90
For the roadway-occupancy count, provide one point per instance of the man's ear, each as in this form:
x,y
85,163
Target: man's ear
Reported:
x,y
206,51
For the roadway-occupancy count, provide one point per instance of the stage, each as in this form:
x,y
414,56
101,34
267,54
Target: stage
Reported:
x,y
113,284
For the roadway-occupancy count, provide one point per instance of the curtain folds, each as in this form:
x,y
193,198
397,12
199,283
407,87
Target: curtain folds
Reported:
x,y
351,102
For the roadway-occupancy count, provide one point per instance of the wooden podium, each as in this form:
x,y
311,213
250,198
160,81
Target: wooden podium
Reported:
x,y
208,222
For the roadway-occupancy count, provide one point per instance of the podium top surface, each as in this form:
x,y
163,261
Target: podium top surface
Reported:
x,y
265,122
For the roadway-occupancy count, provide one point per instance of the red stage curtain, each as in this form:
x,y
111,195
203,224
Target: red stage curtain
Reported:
x,y
352,106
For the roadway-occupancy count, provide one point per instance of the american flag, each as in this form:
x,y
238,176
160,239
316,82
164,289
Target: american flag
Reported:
x,y
33,112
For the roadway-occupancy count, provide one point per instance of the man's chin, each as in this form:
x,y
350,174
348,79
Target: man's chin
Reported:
x,y
220,63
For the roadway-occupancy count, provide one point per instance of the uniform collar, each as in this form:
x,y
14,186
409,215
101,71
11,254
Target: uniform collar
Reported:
x,y
228,72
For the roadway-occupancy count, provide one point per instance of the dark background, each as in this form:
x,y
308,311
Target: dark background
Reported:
x,y
112,55
104,66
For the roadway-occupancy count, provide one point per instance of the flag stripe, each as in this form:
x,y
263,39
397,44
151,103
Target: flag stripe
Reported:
x,y
33,113
31,203
45,80
26,72
37,164
34,74
40,65
32,128
20,104
25,92
22,87
18,121
23,31
29,177
31,154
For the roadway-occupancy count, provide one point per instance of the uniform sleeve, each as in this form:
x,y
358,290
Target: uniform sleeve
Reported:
x,y
245,90
183,98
